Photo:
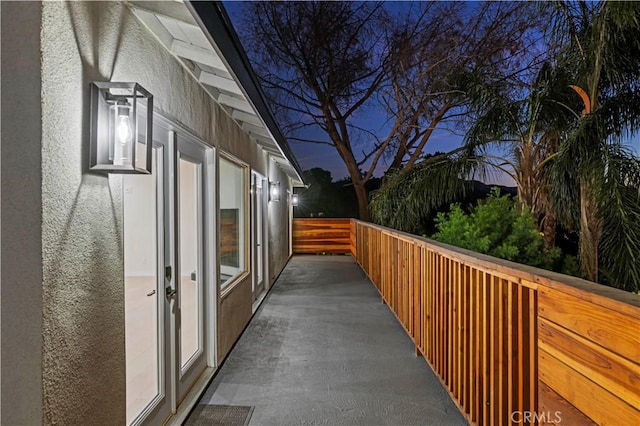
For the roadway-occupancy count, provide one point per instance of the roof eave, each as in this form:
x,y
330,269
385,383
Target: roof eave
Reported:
x,y
214,18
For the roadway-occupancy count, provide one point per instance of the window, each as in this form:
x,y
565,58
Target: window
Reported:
x,y
233,221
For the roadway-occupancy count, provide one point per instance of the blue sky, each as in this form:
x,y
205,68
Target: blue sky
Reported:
x,y
315,155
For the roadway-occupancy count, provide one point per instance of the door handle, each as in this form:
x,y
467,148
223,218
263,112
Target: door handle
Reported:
x,y
170,292
151,293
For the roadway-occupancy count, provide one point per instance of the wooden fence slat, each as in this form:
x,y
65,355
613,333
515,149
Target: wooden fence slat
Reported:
x,y
473,344
605,327
486,339
513,381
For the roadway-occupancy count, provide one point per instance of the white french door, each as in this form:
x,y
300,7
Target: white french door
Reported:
x,y
168,326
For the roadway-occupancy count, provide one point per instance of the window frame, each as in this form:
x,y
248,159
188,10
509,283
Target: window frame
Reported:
x,y
230,285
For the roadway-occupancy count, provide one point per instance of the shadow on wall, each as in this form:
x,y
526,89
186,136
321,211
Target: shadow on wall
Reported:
x,y
98,48
83,313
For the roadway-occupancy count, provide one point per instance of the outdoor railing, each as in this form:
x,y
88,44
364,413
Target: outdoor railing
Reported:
x,y
512,344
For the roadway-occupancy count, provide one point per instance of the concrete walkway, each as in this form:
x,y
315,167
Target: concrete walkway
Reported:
x,y
323,350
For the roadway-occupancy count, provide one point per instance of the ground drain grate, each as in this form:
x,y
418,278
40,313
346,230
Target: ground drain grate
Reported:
x,y
227,415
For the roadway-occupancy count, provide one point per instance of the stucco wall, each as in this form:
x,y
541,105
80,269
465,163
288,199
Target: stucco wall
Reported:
x,y
234,315
83,336
231,139
278,213
83,323
21,259
83,339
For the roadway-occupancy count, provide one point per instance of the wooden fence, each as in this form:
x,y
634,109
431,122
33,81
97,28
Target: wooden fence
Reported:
x,y
512,344
317,236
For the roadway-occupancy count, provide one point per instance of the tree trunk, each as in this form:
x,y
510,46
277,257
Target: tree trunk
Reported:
x,y
546,215
590,232
549,222
363,200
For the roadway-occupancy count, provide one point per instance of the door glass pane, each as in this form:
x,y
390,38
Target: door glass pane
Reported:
x,y
142,322
190,286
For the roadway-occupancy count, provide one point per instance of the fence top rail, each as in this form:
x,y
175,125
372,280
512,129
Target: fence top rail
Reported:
x,y
609,297
322,219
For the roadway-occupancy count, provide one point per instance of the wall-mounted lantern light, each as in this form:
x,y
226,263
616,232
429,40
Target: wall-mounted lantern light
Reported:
x,y
121,123
274,191
294,200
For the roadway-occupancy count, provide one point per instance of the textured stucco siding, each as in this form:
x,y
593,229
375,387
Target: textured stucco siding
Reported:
x,y
278,217
234,315
21,272
83,336
230,138
83,348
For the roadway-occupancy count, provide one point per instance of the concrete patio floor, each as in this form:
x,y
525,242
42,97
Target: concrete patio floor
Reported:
x,y
323,350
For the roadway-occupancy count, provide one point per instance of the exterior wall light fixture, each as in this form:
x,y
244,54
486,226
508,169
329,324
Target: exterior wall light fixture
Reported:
x,y
274,191
121,128
294,200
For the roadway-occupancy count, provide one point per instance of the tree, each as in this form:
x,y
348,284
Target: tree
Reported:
x,y
316,199
528,132
576,168
327,64
516,133
597,176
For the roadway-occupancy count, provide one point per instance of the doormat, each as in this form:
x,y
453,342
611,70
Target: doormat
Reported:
x,y
227,415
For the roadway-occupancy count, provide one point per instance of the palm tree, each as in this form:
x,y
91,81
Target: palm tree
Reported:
x,y
529,132
515,136
601,44
578,168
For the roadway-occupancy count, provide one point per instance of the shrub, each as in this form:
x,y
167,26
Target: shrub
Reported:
x,y
497,227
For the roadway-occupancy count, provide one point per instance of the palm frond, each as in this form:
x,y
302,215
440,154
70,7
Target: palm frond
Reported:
x,y
620,211
407,198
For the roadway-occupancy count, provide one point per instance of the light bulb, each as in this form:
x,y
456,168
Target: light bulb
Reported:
x,y
123,135
124,129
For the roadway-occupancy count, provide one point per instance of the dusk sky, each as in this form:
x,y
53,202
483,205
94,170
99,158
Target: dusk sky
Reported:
x,y
314,155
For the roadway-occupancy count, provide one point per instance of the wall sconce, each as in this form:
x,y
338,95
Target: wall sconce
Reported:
x,y
274,191
294,200
121,124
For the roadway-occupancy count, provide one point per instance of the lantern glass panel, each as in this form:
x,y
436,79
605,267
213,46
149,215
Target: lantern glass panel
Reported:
x,y
142,124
